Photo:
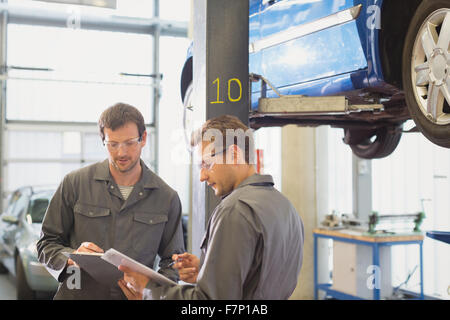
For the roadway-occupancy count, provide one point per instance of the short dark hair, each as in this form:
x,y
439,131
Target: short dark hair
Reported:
x,y
117,116
232,130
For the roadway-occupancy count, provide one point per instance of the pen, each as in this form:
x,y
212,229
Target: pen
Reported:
x,y
173,262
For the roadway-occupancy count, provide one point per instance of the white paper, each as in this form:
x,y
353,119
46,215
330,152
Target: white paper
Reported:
x,y
116,258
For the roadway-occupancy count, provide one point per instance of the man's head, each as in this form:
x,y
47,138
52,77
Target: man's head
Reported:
x,y
122,130
227,153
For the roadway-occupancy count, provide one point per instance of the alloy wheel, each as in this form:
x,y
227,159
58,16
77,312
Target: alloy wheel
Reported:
x,y
431,67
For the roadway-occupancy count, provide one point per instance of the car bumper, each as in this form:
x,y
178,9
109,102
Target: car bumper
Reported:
x,y
39,278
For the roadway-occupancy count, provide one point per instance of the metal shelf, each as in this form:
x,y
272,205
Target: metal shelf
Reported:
x,y
439,235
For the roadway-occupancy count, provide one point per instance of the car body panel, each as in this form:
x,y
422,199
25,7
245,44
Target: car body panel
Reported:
x,y
341,60
326,54
38,278
17,205
314,57
20,239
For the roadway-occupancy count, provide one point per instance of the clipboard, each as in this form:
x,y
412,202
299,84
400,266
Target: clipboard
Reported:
x,y
99,269
103,267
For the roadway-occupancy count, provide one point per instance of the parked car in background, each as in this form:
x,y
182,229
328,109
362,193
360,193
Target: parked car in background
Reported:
x,y
20,227
392,55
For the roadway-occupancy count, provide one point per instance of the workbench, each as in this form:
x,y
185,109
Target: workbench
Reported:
x,y
362,238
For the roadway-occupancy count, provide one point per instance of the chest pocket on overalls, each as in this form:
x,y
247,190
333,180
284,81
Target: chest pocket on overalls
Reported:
x,y
91,223
147,231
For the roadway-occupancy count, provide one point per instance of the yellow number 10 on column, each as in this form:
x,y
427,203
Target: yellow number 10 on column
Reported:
x,y
230,98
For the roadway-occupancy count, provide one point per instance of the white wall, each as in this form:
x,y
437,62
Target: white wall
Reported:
x,y
417,170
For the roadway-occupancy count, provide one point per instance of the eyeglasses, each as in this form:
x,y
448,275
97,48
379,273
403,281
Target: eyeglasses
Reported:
x,y
129,144
208,162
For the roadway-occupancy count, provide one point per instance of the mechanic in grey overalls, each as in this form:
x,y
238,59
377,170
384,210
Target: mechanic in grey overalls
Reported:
x,y
253,244
118,203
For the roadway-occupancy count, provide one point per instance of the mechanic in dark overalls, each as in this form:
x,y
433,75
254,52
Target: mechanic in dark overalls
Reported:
x,y
118,203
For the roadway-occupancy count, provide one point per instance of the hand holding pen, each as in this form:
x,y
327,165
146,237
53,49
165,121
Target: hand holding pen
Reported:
x,y
188,266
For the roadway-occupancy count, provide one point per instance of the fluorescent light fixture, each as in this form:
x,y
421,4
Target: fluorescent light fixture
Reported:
x,y
112,4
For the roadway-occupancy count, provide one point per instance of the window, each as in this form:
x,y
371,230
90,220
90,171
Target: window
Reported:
x,y
129,8
84,73
38,207
181,13
61,79
340,173
70,75
269,141
173,156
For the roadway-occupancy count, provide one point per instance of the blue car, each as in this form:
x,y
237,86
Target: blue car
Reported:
x,y
20,227
384,62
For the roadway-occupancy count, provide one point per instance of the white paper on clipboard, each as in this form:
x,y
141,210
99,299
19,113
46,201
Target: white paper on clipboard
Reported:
x,y
117,258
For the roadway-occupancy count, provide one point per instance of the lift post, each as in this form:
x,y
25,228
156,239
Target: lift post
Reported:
x,y
362,188
220,82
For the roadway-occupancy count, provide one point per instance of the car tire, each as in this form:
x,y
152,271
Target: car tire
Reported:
x,y
3,269
24,292
426,72
373,144
188,114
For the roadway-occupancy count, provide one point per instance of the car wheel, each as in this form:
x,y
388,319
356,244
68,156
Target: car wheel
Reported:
x,y
373,144
3,269
188,116
426,70
24,292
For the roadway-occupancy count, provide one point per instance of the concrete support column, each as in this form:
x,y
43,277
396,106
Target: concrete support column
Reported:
x,y
3,71
304,173
156,88
220,84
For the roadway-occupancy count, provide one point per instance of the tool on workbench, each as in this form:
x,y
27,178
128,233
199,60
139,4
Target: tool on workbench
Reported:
x,y
332,221
395,222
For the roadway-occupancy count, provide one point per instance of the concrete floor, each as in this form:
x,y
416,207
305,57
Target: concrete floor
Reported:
x,y
7,287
